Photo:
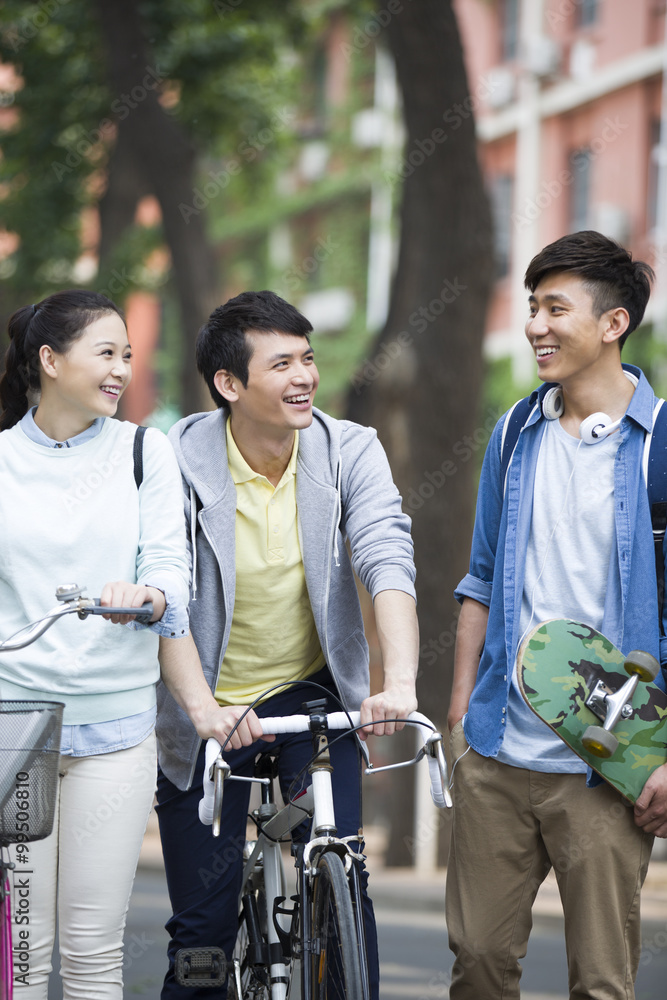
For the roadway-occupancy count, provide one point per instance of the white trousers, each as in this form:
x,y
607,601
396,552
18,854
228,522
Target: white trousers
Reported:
x,y
83,872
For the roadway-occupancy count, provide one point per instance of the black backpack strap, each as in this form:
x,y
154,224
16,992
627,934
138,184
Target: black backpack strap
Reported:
x,y
514,421
655,471
139,455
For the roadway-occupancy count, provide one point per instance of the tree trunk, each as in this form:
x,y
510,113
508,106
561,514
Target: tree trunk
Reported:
x,y
421,386
165,160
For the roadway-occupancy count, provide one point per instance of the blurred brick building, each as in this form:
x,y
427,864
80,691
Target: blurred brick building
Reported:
x,y
569,102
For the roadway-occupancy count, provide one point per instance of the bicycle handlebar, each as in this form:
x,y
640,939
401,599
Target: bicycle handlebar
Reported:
x,y
211,803
83,606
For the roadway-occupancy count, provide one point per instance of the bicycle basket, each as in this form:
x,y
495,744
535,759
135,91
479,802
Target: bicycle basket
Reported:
x,y
29,758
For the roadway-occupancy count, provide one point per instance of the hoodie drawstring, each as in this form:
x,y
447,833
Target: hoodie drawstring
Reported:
x,y
193,540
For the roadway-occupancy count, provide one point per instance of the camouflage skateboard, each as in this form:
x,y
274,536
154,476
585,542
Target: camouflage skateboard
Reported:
x,y
603,704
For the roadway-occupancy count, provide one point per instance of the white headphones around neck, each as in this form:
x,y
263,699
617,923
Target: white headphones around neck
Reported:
x,y
594,428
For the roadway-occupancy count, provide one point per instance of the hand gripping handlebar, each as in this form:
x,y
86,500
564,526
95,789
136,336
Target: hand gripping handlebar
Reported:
x,y
216,769
72,602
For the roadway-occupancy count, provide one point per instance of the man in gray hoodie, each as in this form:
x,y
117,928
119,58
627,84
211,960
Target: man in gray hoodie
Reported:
x,y
275,494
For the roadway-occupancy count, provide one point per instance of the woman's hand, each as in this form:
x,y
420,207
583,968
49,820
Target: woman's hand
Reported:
x,y
131,595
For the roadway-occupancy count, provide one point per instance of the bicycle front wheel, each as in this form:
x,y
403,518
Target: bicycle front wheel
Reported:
x,y
336,964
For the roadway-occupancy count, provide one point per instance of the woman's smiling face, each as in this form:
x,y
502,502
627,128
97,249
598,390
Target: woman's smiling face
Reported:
x,y
91,377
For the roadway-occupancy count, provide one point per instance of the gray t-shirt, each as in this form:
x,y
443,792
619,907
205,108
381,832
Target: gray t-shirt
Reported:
x,y
572,537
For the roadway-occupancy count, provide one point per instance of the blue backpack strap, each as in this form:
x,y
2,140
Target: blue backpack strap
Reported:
x,y
138,454
514,421
655,473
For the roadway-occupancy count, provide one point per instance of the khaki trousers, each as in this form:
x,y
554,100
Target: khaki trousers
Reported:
x,y
510,827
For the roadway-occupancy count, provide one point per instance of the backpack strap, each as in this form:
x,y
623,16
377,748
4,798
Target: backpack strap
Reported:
x,y
655,475
138,454
514,422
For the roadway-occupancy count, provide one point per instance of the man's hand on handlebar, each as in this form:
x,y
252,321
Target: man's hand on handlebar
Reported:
x,y
122,594
394,703
219,722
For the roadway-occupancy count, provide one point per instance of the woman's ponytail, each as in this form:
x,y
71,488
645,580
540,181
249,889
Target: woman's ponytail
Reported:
x,y
17,378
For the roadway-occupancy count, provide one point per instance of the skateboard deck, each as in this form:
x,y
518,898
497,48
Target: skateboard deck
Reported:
x,y
559,664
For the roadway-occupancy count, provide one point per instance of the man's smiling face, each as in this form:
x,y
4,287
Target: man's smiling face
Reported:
x,y
282,382
562,329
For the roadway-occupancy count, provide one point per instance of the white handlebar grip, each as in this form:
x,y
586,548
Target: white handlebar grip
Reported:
x,y
206,803
439,792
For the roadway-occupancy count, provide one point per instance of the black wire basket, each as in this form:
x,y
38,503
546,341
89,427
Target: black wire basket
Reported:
x,y
29,758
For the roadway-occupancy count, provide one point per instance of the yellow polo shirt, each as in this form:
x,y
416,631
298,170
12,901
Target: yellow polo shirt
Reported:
x,y
273,637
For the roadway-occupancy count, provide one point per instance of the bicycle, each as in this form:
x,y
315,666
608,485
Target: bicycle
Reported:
x,y
30,746
315,948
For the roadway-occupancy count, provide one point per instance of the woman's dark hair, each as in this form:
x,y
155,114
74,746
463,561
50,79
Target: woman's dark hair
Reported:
x,y
222,343
56,322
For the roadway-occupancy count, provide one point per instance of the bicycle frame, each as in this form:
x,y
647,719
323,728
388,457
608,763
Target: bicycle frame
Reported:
x,y
317,803
289,934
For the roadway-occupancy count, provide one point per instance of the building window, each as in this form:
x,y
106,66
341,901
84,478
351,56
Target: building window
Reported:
x,y
580,161
653,175
586,13
502,193
509,29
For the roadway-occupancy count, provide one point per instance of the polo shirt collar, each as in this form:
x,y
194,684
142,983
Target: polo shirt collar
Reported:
x,y
240,470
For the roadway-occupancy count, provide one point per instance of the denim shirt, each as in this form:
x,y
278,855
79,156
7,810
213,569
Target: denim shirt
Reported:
x,y
500,538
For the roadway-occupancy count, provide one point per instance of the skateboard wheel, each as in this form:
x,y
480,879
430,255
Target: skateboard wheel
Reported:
x,y
598,741
645,666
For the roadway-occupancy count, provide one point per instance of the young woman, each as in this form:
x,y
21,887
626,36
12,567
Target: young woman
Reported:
x,y
71,511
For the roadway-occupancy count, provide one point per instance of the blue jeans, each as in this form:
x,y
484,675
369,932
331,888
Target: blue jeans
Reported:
x,y
204,873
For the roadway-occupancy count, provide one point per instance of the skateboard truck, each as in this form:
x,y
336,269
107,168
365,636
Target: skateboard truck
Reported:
x,y
610,706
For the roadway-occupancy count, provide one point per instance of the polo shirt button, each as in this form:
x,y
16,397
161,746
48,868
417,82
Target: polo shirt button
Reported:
x,y
275,530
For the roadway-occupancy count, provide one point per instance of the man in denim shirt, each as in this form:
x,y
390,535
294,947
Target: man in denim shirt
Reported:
x,y
568,535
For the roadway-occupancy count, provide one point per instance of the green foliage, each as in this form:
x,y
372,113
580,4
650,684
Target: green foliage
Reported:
x,y
55,54
648,350
501,390
227,73
241,77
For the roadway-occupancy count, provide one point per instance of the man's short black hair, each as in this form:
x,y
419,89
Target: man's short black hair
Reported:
x,y
222,343
607,269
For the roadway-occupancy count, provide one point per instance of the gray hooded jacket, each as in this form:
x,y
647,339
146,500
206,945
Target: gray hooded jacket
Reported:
x,y
344,492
